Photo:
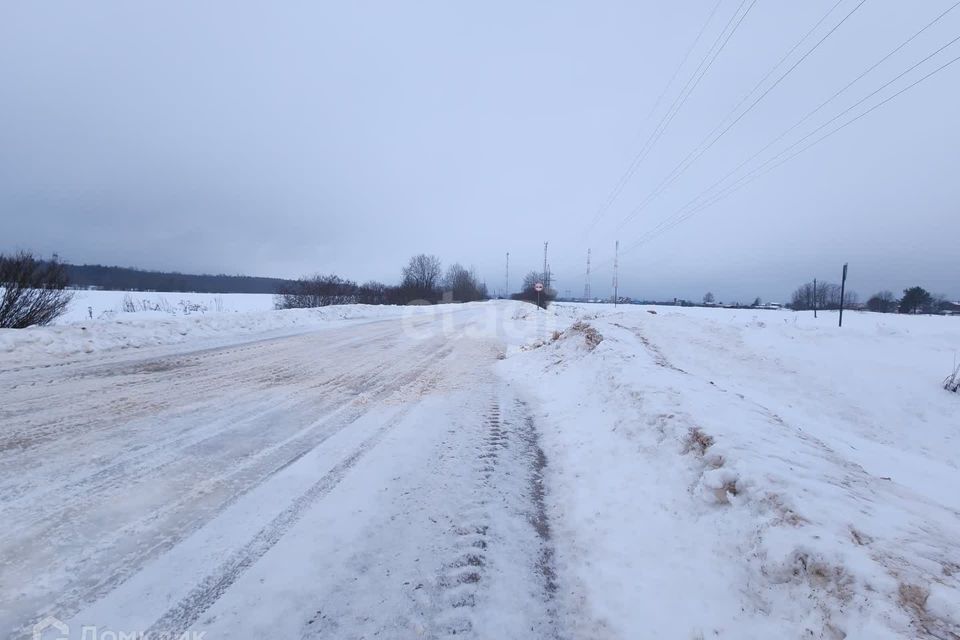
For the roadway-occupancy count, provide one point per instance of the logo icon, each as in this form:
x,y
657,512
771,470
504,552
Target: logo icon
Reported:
x,y
51,623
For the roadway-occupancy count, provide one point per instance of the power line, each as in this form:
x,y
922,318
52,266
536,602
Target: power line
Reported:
x,y
837,94
773,162
760,170
683,61
698,151
616,272
671,112
693,207
586,286
644,150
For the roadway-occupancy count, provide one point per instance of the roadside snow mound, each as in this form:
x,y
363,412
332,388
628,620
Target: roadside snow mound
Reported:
x,y
713,478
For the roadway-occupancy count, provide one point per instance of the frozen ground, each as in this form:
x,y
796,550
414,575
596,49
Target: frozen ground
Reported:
x,y
484,471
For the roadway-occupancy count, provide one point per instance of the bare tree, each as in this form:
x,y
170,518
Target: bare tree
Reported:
x,y
373,292
939,302
463,285
826,295
708,298
421,278
33,291
529,292
882,302
803,297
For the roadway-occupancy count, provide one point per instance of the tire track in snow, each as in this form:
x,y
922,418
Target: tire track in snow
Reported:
x,y
455,590
539,517
482,569
506,516
178,620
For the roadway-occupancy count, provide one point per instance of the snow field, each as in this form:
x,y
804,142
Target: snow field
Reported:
x,y
107,305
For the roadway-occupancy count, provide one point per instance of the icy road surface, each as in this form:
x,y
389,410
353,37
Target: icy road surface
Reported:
x,y
371,480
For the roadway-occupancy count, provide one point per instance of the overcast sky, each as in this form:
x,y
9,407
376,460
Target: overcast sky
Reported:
x,y
283,138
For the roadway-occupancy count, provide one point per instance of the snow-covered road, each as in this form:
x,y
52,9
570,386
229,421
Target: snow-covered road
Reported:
x,y
368,480
485,470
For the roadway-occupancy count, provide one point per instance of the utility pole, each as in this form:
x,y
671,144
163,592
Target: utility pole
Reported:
x,y
814,297
546,269
586,285
843,286
506,278
616,271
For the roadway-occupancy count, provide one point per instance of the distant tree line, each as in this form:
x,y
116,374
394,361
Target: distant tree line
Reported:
x,y
128,279
423,281
34,291
914,300
821,295
826,295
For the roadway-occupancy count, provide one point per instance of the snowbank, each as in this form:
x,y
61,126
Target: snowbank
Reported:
x,y
144,330
745,474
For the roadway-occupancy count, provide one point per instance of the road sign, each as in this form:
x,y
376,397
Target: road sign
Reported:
x,y
538,287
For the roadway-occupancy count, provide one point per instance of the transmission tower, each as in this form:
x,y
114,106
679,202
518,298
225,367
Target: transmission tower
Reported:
x,y
546,268
616,271
586,283
506,278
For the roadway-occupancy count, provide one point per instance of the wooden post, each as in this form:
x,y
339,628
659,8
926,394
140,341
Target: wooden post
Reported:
x,y
843,285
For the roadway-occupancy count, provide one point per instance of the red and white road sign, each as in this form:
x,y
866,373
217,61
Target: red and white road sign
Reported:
x,y
538,287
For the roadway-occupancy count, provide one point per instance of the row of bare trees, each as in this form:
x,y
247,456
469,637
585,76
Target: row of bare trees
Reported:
x,y
821,295
423,281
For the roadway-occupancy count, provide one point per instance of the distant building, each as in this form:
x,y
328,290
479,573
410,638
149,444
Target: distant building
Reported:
x,y
950,309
